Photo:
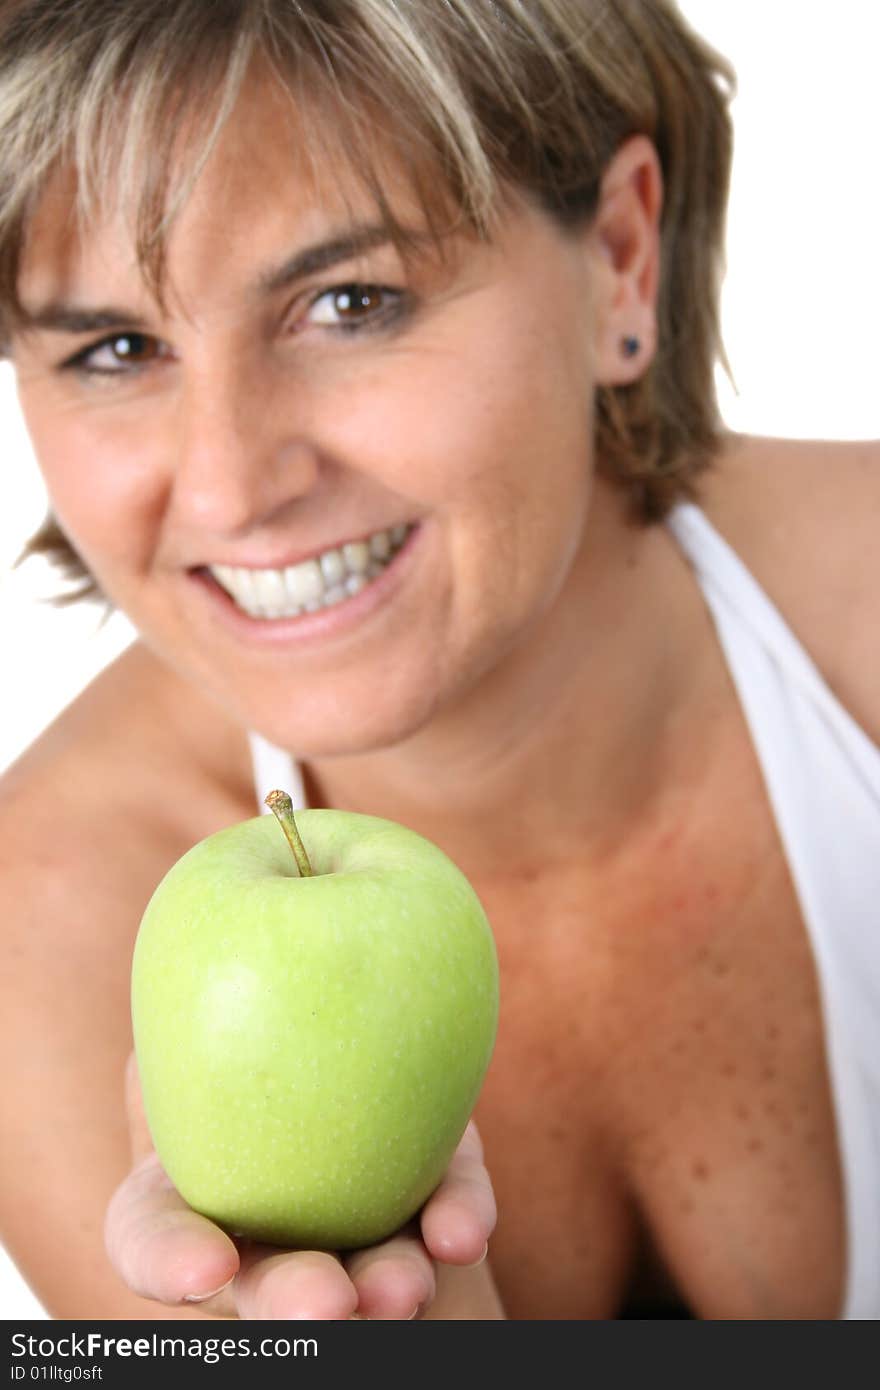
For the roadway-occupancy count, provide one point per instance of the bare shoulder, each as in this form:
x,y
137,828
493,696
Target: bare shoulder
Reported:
x,y
138,734
804,517
136,769
91,816
790,492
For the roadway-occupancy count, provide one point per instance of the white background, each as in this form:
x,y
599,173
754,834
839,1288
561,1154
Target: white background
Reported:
x,y
800,320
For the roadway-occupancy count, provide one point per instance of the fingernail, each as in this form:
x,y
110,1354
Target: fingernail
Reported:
x,y
476,1264
203,1297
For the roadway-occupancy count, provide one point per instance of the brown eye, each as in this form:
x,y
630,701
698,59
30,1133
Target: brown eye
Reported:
x,y
357,300
121,353
354,306
133,347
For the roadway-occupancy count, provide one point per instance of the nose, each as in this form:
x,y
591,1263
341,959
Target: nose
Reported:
x,y
238,461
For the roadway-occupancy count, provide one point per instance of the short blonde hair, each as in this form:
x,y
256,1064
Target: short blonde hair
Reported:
x,y
485,94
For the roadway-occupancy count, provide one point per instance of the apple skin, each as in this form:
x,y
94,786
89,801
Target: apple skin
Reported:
x,y
310,1049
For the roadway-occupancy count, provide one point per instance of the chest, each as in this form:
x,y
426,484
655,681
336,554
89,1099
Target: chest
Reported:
x,y
657,1116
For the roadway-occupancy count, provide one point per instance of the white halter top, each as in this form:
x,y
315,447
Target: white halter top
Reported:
x,y
822,774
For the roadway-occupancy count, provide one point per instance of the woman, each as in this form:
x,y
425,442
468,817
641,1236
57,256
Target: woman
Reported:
x,y
368,355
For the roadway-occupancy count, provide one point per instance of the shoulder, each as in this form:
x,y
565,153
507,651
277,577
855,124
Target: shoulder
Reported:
x,y
804,517
137,735
124,781
92,815
135,770
762,482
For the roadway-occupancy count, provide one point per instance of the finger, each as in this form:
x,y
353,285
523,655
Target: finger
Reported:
x,y
301,1284
460,1216
161,1248
394,1279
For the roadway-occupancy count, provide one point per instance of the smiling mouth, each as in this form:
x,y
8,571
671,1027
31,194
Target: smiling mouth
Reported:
x,y
321,582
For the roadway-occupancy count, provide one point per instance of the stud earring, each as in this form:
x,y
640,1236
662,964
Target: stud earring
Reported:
x,y
630,347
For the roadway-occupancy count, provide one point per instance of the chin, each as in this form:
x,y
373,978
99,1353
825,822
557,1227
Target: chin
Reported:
x,y
333,727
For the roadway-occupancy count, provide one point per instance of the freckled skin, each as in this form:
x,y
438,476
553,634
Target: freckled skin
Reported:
x,y
708,1121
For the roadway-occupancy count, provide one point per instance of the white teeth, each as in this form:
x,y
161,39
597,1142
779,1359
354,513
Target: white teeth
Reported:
x,y
332,567
268,590
356,556
380,545
246,589
328,579
303,583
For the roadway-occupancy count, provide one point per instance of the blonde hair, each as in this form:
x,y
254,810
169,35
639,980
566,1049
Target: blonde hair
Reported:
x,y
485,94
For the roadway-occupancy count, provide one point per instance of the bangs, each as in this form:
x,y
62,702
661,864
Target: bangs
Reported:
x,y
144,108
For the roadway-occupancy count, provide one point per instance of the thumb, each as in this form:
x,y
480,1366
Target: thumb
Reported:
x,y
138,1129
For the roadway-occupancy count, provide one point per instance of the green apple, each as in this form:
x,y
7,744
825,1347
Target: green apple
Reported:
x,y
311,1043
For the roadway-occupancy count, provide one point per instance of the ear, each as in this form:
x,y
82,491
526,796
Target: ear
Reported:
x,y
625,237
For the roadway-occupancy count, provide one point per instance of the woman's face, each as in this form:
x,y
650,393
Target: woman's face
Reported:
x,y
304,390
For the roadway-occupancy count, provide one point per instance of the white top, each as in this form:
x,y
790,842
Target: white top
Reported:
x,y
822,774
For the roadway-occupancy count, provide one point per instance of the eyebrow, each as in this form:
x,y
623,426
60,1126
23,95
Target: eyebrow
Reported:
x,y
67,318
59,317
313,259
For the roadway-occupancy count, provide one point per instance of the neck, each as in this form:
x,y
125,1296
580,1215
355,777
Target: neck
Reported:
x,y
565,744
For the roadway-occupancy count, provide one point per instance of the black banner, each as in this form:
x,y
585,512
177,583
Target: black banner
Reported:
x,y
134,1354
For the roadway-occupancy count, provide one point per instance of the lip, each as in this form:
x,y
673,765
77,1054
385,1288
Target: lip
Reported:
x,y
325,625
292,558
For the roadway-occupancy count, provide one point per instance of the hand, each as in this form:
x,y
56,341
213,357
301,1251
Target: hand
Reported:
x,y
165,1251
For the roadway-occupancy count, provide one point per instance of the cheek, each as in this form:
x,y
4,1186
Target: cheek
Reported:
x,y
495,447
103,483
497,440
484,415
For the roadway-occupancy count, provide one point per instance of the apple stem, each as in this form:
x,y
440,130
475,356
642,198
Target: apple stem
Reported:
x,y
281,806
